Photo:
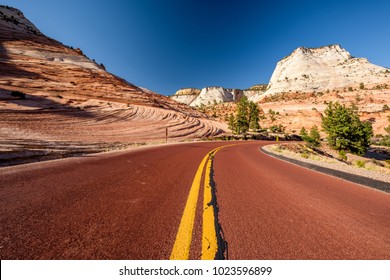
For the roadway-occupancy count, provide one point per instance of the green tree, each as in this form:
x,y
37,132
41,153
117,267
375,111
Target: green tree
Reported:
x,y
303,132
232,123
246,117
242,117
388,127
253,116
345,130
313,139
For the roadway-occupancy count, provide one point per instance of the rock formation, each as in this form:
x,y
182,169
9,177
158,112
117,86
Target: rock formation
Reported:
x,y
304,82
215,95
186,95
302,85
51,92
325,68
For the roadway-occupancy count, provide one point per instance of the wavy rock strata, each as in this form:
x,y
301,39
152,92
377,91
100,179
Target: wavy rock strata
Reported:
x,y
51,92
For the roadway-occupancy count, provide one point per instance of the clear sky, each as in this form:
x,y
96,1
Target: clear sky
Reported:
x,y
165,45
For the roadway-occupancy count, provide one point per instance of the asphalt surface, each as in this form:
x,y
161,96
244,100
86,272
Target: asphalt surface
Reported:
x,y
129,205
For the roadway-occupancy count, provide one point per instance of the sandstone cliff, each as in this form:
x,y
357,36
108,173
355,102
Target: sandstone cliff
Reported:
x,y
215,95
325,68
186,95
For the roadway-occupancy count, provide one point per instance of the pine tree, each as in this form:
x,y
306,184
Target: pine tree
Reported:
x,y
313,139
345,130
242,118
303,132
253,116
232,123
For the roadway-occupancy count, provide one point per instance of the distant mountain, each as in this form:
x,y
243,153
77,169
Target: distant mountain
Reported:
x,y
49,91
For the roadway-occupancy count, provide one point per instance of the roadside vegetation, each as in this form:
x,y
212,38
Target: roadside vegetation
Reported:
x,y
383,140
246,117
313,138
346,132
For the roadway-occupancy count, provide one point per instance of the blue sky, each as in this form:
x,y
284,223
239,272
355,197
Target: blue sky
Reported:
x,y
165,45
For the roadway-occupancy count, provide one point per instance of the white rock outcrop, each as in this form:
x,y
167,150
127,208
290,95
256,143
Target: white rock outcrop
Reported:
x,y
319,69
186,95
211,95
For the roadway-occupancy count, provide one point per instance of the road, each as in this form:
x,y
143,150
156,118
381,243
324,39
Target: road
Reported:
x,y
161,203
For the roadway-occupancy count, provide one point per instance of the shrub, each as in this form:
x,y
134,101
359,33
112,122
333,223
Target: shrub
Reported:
x,y
313,138
360,163
277,128
343,155
305,155
387,129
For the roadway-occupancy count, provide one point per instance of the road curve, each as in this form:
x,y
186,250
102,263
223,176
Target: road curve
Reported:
x,y
129,205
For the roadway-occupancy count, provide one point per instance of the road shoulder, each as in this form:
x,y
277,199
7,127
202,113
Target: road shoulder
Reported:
x,y
348,176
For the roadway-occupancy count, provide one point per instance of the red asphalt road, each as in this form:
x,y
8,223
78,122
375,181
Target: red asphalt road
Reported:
x,y
129,205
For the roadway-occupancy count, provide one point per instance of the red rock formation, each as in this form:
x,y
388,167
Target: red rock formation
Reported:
x,y
49,91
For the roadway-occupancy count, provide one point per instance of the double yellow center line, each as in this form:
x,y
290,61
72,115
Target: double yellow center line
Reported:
x,y
182,245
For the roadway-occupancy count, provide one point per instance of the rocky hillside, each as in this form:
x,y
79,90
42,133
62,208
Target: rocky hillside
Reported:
x,y
51,92
302,85
304,82
186,95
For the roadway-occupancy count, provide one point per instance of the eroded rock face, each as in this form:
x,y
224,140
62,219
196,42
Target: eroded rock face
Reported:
x,y
49,91
321,69
214,95
186,95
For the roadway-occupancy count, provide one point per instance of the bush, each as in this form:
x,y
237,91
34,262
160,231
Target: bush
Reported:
x,y
360,163
305,155
345,130
343,155
383,141
313,138
277,128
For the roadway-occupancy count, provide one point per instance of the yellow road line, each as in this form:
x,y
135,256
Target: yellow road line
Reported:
x,y
181,247
209,234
